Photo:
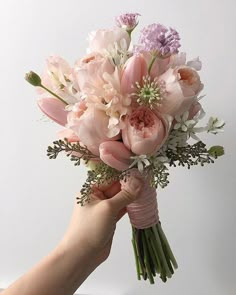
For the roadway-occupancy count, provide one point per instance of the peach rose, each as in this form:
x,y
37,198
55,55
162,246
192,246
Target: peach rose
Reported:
x,y
183,84
145,131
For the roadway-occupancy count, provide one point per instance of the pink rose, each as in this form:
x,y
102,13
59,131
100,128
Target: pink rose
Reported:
x,y
145,131
54,109
91,127
88,71
134,70
115,154
183,84
101,40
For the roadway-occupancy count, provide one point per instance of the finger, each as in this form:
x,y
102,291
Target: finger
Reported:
x,y
104,186
112,190
127,195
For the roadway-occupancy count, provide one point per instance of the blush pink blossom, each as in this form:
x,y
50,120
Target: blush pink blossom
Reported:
x,y
89,71
115,154
68,134
91,127
134,70
108,98
145,131
101,40
54,109
57,77
182,84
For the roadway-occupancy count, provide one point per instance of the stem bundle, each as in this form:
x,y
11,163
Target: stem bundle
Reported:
x,y
152,253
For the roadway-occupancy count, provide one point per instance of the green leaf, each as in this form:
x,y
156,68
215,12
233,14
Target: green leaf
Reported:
x,y
216,151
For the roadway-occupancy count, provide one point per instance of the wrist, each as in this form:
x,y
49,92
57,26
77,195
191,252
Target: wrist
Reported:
x,y
77,264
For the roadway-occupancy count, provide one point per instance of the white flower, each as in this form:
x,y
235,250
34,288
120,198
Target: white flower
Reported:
x,y
176,139
160,160
141,161
183,123
215,125
117,54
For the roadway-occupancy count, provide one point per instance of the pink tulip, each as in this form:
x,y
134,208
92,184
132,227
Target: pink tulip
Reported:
x,y
54,109
134,70
115,154
145,131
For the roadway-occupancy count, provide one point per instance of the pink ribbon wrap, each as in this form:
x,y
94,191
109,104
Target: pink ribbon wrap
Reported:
x,y
143,212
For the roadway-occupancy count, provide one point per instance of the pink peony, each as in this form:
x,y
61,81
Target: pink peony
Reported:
x,y
91,127
182,84
115,154
145,131
89,71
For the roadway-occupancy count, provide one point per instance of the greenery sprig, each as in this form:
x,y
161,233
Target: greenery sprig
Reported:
x,y
190,155
158,175
100,174
156,172
82,153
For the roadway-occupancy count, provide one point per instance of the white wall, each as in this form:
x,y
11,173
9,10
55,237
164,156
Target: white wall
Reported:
x,y
36,195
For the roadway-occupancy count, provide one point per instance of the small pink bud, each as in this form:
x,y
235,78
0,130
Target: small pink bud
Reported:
x,y
54,109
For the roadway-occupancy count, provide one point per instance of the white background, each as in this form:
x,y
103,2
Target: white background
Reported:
x,y
36,195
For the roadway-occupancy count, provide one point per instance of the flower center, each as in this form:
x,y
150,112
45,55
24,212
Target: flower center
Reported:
x,y
141,118
150,93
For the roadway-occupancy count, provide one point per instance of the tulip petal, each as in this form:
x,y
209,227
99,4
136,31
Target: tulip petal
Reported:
x,y
54,109
115,154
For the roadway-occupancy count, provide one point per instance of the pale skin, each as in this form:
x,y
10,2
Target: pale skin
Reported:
x,y
85,245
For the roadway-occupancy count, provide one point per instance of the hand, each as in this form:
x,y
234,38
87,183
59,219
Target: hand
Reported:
x,y
86,244
92,226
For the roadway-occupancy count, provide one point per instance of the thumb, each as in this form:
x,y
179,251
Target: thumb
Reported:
x,y
127,195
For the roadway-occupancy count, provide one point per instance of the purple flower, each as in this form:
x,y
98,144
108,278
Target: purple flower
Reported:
x,y
159,39
127,20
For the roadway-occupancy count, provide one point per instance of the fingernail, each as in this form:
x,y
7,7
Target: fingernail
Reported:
x,y
135,185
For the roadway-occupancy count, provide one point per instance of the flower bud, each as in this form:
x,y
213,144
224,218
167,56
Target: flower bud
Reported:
x,y
33,78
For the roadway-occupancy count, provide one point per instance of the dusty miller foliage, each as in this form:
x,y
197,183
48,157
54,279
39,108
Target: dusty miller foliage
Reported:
x,y
156,172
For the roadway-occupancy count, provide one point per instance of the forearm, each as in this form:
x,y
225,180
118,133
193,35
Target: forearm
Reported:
x,y
60,273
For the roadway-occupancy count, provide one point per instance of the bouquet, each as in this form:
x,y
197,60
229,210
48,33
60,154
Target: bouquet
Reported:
x,y
130,109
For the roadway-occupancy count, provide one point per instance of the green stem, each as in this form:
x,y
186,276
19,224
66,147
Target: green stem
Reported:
x,y
162,255
146,260
136,256
153,250
151,64
54,94
168,249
